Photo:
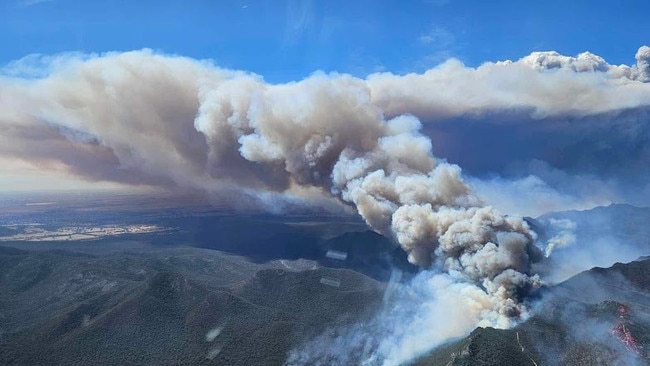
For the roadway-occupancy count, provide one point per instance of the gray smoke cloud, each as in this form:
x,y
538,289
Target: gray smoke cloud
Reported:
x,y
142,118
426,311
642,70
564,236
542,84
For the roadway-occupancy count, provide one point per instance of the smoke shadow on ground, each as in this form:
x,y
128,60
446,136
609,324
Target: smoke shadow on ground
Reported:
x,y
262,238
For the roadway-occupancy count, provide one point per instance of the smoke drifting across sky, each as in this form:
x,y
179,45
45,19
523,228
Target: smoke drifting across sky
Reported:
x,y
574,130
141,118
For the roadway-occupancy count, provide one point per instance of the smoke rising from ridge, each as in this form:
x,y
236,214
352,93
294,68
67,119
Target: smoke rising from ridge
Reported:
x,y
146,119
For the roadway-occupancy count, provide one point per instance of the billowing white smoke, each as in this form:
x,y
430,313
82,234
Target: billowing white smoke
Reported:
x,y
588,62
564,236
584,62
430,309
642,70
544,83
325,132
141,118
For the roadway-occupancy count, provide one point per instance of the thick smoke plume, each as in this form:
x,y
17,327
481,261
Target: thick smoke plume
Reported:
x,y
126,117
142,118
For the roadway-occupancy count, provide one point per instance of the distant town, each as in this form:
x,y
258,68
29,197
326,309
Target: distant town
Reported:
x,y
34,232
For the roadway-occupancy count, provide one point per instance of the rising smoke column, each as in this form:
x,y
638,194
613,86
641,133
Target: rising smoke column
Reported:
x,y
325,132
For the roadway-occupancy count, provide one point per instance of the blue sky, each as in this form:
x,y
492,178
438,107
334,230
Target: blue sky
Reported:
x,y
287,40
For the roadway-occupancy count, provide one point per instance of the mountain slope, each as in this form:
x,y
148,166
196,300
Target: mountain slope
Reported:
x,y
599,317
173,306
